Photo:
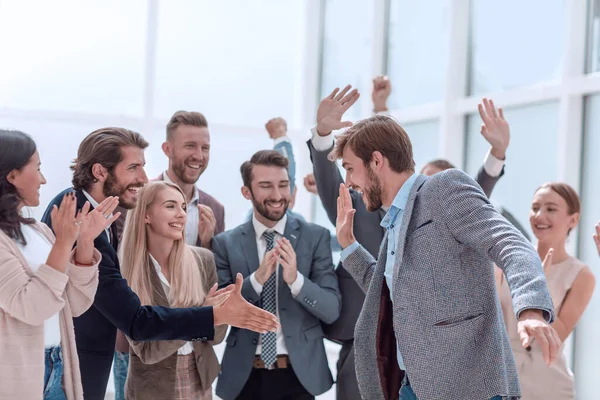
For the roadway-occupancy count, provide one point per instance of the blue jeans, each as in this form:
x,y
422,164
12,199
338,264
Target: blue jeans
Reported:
x,y
120,368
406,392
53,375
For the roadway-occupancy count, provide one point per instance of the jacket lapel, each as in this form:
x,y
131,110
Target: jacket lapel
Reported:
x,y
249,246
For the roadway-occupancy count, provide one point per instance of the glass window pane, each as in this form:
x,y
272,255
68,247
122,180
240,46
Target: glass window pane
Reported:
x,y
530,159
587,352
73,55
418,51
424,137
238,62
594,37
347,47
526,52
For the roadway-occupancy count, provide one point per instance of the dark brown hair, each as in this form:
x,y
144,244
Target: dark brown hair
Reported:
x,y
566,192
378,133
262,157
103,146
192,118
439,164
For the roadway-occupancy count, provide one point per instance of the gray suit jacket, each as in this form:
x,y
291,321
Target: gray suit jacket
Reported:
x,y
446,316
367,231
319,300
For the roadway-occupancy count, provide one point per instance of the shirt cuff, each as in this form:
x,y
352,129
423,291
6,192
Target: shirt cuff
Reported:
x,y
348,250
296,287
492,165
321,143
255,285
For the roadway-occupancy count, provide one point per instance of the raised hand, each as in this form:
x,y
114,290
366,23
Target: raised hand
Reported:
x,y
96,221
206,225
344,224
276,127
382,88
217,297
597,237
287,258
333,107
64,221
267,267
494,129
236,311
310,184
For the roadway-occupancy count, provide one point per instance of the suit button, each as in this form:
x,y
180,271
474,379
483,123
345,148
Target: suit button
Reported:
x,y
194,339
204,338
254,341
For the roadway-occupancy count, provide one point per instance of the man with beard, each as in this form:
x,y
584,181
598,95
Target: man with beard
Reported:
x,y
188,149
110,162
288,271
431,326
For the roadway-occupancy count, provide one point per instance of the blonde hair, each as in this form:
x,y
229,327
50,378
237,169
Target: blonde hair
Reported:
x,y
185,277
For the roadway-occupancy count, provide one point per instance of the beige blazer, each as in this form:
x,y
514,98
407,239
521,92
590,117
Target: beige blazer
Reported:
x,y
153,365
27,299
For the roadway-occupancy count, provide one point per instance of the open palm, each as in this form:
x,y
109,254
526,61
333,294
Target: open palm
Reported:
x,y
344,224
95,221
333,107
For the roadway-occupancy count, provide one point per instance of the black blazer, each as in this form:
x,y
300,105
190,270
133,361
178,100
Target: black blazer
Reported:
x,y
116,306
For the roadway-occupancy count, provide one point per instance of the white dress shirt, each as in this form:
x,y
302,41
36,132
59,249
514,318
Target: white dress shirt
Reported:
x,y
95,204
261,244
492,165
36,253
186,348
193,215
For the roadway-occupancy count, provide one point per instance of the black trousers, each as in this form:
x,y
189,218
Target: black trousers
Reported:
x,y
346,383
275,384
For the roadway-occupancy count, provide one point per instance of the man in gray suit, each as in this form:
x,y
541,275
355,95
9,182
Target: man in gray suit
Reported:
x,y
288,270
367,224
431,326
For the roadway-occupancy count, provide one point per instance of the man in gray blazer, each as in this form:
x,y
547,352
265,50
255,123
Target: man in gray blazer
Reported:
x,y
367,228
288,270
431,326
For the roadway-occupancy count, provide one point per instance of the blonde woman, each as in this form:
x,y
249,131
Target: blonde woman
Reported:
x,y
554,214
44,282
163,270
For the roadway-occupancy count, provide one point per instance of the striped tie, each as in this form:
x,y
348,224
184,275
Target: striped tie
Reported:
x,y
269,303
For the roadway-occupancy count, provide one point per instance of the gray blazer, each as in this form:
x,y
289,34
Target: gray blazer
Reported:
x,y
367,231
446,314
319,300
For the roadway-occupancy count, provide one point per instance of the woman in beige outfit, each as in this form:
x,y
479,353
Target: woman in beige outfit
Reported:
x,y
44,282
163,270
554,213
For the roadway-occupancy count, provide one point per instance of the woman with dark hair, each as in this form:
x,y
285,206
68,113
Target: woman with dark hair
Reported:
x,y
44,281
555,210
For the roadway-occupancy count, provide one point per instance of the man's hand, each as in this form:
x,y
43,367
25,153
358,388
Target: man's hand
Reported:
x,y
287,258
494,129
206,225
382,88
217,297
533,326
310,184
344,224
277,127
332,108
236,311
267,267
597,237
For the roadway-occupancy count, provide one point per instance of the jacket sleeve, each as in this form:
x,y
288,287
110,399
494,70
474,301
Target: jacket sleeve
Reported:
x,y
82,286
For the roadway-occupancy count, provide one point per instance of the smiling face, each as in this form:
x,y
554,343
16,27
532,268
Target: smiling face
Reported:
x,y
269,192
189,152
549,216
127,178
166,216
362,179
28,181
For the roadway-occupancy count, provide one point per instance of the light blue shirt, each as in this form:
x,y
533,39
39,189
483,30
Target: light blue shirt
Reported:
x,y
392,221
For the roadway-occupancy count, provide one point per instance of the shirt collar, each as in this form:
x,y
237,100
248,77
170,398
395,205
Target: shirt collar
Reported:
x,y
195,195
161,276
282,139
93,202
399,203
259,228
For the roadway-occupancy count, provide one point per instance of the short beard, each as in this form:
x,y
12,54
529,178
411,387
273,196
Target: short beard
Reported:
x,y
179,171
113,188
373,191
261,208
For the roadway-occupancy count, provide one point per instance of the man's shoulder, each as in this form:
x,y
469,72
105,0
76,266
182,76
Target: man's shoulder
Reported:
x,y
447,180
208,200
313,228
235,232
58,198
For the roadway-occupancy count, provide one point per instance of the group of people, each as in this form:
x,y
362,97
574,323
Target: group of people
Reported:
x,y
438,294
